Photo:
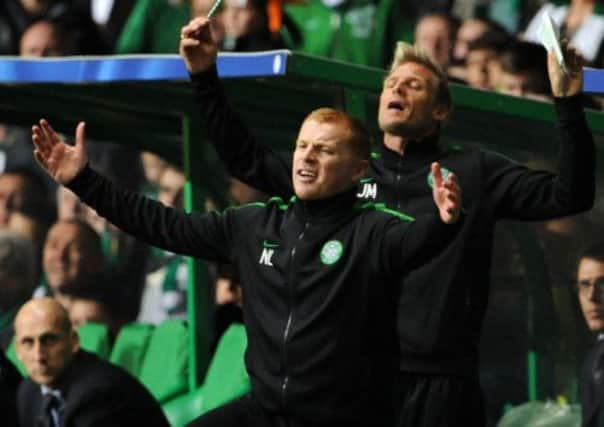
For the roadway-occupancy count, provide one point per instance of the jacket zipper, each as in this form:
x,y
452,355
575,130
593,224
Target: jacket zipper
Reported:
x,y
289,317
398,184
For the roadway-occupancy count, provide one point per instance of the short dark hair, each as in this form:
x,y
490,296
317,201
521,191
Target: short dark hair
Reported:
x,y
592,250
492,40
529,59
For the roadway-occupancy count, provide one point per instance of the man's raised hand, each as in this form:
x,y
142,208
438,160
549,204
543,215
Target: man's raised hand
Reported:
x,y
197,45
447,195
62,161
570,81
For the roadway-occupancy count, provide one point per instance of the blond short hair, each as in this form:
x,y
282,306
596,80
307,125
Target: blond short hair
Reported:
x,y
405,52
360,139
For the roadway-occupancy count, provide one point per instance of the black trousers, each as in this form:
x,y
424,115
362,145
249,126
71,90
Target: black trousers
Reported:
x,y
246,412
242,412
440,401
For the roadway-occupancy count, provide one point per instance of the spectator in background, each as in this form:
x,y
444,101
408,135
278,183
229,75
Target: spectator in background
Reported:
x,y
579,23
17,280
435,34
72,260
44,39
523,71
245,24
24,208
469,30
480,71
590,289
17,15
165,291
21,191
246,29
68,386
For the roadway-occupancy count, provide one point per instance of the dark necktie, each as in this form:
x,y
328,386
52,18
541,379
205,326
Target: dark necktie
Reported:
x,y
49,403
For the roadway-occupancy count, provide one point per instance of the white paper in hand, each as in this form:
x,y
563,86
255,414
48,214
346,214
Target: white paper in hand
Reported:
x,y
547,33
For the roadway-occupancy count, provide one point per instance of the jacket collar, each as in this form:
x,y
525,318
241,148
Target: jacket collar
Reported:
x,y
417,153
333,207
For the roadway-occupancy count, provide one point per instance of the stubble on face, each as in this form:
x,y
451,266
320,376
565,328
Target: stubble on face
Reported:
x,y
408,102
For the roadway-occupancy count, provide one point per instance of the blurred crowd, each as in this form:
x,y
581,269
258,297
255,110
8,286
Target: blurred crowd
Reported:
x,y
487,44
53,245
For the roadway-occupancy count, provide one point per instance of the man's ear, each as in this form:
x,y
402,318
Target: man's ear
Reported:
x,y
75,341
441,112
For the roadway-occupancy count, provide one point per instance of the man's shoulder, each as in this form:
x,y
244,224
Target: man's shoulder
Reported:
x,y
273,204
91,373
375,211
28,388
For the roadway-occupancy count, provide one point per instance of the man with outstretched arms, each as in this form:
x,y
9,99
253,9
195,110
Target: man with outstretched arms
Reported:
x,y
318,272
441,309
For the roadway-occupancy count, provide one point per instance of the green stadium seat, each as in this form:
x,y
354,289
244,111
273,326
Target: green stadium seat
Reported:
x,y
94,337
183,409
227,377
11,354
130,346
165,366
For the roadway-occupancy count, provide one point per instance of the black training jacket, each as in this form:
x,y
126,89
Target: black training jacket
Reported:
x,y
317,282
442,304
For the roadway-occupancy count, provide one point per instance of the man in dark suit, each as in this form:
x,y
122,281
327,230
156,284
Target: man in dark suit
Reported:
x,y
590,286
9,381
68,386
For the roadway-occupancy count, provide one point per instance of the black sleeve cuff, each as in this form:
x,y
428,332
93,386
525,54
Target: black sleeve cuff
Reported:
x,y
569,109
83,181
204,79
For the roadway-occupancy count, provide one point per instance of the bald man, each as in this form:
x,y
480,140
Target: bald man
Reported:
x,y
69,386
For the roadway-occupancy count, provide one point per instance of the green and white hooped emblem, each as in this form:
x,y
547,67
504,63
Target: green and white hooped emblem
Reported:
x,y
445,173
331,252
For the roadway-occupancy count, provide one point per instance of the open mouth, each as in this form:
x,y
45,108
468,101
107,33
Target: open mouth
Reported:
x,y
306,174
396,105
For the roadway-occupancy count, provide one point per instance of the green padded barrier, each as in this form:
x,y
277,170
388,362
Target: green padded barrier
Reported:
x,y
11,354
227,377
184,408
165,366
94,337
130,346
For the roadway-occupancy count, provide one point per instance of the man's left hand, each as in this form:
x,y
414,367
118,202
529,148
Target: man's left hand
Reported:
x,y
447,195
567,82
